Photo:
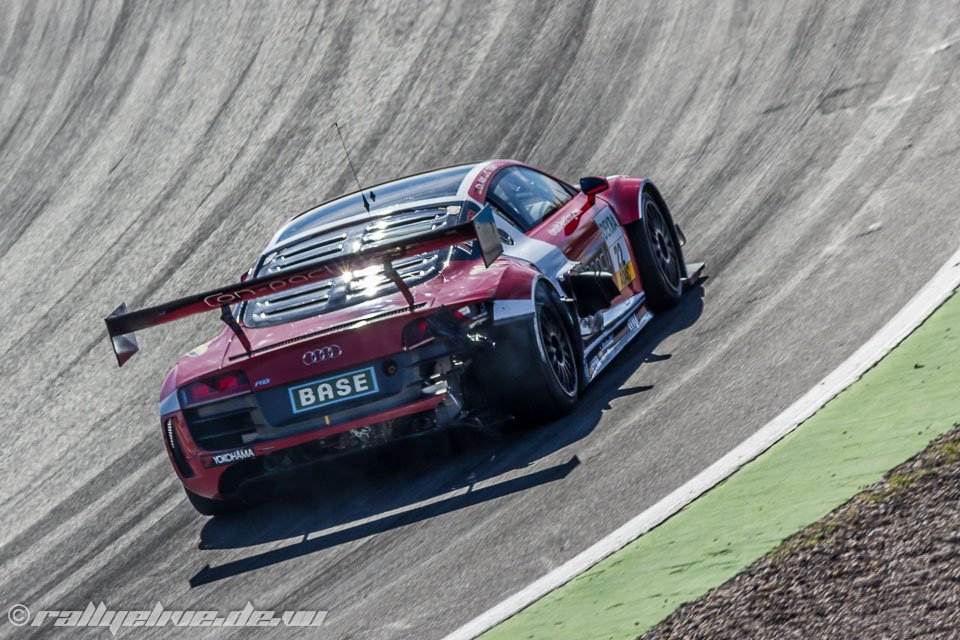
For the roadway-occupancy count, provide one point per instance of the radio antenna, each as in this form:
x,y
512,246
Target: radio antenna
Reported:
x,y
366,205
347,154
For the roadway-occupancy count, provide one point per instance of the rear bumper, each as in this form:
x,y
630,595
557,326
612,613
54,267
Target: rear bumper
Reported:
x,y
218,474
217,446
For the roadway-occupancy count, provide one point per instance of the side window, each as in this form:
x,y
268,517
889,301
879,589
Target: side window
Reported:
x,y
527,196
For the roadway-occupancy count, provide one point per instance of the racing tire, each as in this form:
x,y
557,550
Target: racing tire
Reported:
x,y
659,256
535,374
211,507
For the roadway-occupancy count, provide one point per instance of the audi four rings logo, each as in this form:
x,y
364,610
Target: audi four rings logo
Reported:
x,y
321,354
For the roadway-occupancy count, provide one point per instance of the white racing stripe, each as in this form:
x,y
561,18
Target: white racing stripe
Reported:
x,y
924,303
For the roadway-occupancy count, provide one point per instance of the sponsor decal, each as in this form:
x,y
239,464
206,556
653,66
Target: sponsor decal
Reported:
x,y
593,366
315,356
262,383
566,223
614,343
600,260
199,350
616,241
481,182
231,456
255,290
609,226
606,342
327,391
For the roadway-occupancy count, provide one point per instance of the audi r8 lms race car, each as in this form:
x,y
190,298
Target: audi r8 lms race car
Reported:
x,y
429,302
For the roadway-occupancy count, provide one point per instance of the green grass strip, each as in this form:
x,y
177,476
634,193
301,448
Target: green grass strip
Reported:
x,y
889,415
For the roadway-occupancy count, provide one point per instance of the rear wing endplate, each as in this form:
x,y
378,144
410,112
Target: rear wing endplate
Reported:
x,y
122,324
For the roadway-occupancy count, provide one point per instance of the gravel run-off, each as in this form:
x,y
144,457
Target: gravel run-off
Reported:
x,y
884,565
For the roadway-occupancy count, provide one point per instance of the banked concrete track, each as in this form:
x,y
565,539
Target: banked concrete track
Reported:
x,y
810,149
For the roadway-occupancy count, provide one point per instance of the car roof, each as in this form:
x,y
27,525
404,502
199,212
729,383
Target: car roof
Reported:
x,y
445,182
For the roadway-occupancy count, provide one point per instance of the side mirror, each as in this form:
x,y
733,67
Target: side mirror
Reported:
x,y
592,185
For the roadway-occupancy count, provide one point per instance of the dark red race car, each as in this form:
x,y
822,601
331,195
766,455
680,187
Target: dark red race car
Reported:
x,y
414,305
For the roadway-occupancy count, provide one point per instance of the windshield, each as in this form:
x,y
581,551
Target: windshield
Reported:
x,y
435,184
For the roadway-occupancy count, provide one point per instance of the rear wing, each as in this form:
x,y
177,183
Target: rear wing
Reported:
x,y
121,324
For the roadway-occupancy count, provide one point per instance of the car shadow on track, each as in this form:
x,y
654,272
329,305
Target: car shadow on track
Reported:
x,y
348,499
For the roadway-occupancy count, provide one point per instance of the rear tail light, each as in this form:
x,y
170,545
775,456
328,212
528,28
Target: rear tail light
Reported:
x,y
168,428
176,452
222,386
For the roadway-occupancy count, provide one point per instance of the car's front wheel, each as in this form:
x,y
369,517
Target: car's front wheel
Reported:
x,y
659,256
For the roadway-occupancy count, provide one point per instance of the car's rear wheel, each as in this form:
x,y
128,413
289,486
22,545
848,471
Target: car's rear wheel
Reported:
x,y
211,507
534,373
659,256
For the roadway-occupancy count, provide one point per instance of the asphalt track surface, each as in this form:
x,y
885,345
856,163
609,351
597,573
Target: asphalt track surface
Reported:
x,y
809,149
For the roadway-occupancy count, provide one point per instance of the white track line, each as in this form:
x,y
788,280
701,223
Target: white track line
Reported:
x,y
931,296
